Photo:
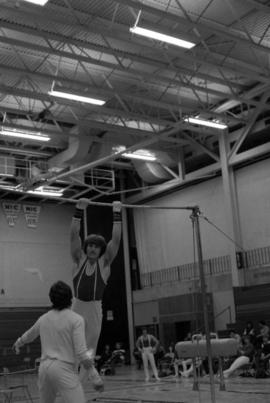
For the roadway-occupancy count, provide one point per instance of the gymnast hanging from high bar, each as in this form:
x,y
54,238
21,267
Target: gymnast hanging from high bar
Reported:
x,y
91,270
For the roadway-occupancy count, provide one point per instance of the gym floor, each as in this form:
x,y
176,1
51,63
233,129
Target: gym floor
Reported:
x,y
128,386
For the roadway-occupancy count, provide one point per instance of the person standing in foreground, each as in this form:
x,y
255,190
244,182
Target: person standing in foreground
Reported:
x,y
63,344
147,345
91,270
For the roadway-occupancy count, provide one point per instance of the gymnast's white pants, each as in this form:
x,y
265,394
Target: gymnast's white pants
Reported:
x,y
91,311
57,377
148,356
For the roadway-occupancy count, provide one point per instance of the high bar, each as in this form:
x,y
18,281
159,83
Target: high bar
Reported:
x,y
136,206
102,204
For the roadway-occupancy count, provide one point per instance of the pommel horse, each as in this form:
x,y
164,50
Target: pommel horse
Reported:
x,y
220,348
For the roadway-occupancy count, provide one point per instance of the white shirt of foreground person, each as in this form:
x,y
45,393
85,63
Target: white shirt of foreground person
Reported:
x,y
63,344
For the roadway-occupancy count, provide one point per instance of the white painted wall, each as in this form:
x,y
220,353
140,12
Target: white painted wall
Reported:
x,y
164,237
146,313
253,187
222,300
33,258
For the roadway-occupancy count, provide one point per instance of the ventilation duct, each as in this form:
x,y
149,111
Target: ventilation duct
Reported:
x,y
156,172
151,172
76,152
100,150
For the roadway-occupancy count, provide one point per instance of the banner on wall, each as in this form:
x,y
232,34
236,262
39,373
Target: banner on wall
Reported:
x,y
11,211
31,214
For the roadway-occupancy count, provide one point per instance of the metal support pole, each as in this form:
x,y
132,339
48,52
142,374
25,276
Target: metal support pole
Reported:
x,y
195,375
128,284
195,217
220,366
231,207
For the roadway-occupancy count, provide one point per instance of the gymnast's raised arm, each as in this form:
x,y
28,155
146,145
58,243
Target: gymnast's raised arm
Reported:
x,y
75,239
114,243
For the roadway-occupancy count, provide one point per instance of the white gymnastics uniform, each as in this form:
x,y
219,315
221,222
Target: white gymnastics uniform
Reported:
x,y
88,292
145,345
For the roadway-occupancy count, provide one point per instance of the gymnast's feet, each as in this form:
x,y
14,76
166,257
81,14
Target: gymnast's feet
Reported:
x,y
96,380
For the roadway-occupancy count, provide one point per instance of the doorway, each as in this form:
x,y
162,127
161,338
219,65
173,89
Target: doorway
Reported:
x,y
182,329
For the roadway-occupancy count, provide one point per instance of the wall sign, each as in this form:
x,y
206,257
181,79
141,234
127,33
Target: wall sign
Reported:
x,y
31,214
11,211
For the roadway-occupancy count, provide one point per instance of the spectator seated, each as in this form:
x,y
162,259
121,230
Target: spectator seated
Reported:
x,y
166,363
245,357
118,358
101,360
262,359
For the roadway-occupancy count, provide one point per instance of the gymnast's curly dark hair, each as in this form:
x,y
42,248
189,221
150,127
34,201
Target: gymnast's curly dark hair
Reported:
x,y
60,295
97,240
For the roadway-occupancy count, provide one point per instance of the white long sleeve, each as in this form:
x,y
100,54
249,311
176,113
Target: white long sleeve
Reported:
x,y
62,336
31,334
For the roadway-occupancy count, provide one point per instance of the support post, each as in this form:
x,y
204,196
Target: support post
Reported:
x,y
195,217
220,366
128,283
231,206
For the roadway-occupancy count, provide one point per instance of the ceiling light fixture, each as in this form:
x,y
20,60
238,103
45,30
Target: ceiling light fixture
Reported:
x,y
141,154
24,134
38,2
207,123
47,191
161,37
77,98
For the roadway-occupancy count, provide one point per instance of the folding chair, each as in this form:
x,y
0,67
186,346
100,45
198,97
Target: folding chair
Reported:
x,y
11,386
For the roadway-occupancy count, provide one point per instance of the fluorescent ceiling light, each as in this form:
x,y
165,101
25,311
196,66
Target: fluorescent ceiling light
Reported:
x,y
24,134
40,191
47,191
78,98
38,2
207,123
144,155
140,155
161,37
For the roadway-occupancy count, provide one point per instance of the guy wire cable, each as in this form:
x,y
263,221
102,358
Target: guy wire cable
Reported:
x,y
222,232
226,236
230,239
